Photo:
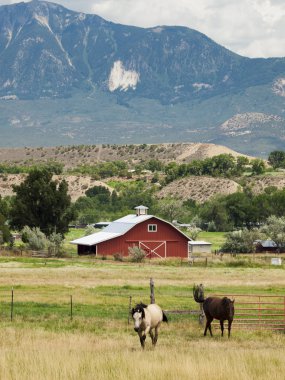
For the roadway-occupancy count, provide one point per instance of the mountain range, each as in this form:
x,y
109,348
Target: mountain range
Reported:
x,y
73,78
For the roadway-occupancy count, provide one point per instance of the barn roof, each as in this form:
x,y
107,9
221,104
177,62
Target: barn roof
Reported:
x,y
117,228
266,243
199,242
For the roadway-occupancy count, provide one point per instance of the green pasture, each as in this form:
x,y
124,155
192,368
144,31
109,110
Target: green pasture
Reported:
x,y
216,238
101,289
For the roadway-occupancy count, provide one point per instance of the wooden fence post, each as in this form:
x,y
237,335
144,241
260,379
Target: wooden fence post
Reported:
x,y
152,298
71,308
130,309
12,304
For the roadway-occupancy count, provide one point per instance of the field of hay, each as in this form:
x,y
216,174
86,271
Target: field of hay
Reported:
x,y
43,342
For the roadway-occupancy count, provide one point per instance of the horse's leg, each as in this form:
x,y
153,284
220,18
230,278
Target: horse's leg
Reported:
x,y
222,326
156,335
208,325
142,338
229,327
152,336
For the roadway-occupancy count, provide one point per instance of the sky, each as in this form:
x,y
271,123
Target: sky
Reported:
x,y
252,28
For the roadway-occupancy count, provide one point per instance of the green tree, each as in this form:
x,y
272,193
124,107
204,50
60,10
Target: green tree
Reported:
x,y
5,235
41,202
102,194
241,163
277,159
215,211
275,229
258,166
241,241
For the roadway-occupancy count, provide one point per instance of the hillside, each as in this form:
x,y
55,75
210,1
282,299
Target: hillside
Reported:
x,y
197,188
200,189
72,156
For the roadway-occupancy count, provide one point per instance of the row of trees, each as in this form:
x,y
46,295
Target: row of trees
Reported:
x,y
242,209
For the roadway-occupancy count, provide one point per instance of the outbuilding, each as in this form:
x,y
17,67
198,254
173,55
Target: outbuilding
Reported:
x,y
159,238
197,246
267,246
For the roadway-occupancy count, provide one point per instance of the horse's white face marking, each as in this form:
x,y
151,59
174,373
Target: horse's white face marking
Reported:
x,y
137,319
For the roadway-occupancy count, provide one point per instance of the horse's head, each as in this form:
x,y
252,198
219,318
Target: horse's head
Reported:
x,y
138,315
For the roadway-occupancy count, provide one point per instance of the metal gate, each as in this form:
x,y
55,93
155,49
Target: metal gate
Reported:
x,y
258,312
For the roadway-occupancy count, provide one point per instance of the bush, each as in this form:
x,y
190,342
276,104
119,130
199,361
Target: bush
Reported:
x,y
35,238
137,254
118,257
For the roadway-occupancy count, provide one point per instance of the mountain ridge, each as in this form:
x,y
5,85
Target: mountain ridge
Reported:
x,y
67,77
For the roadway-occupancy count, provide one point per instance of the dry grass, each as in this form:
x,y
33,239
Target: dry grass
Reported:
x,y
37,354
96,273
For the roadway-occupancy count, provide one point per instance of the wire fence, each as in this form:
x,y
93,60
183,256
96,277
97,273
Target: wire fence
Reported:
x,y
251,311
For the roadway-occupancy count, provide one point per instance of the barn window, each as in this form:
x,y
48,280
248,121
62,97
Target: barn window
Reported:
x,y
152,227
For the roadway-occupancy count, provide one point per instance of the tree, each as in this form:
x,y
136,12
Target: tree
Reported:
x,y
215,211
241,241
102,193
42,202
241,163
170,208
277,159
275,229
5,235
258,166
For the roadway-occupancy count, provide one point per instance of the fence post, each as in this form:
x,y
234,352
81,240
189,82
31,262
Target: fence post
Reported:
x,y
71,308
130,309
152,298
12,304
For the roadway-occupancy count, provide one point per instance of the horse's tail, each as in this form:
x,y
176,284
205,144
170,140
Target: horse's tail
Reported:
x,y
198,293
164,317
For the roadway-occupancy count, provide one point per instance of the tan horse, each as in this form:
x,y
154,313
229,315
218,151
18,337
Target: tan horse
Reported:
x,y
146,318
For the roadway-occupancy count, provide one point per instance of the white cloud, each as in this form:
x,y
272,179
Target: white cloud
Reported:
x,y
253,28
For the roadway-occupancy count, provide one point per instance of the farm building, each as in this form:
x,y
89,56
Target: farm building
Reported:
x,y
199,247
156,236
267,246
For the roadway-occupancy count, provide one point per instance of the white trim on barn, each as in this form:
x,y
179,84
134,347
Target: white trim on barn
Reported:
x,y
143,244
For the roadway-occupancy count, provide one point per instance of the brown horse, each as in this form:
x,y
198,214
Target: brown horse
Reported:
x,y
221,309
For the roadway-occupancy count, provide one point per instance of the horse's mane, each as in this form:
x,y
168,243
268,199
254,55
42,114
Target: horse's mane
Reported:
x,y
141,305
139,308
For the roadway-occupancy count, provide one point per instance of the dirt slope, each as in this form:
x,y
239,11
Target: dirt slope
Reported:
x,y
198,188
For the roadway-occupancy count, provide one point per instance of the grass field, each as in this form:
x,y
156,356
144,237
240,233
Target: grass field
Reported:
x,y
43,342
216,238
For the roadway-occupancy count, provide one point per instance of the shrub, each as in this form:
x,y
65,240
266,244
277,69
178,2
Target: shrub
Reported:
x,y
137,254
118,257
34,237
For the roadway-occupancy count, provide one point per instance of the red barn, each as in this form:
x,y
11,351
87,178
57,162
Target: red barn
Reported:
x,y
156,236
